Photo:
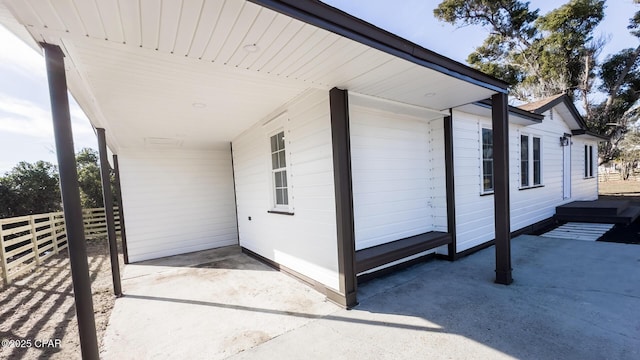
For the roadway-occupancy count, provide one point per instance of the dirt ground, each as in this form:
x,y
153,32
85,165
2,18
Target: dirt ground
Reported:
x,y
38,307
622,190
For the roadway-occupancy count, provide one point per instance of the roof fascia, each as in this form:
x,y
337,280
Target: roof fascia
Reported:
x,y
514,110
567,102
341,23
589,133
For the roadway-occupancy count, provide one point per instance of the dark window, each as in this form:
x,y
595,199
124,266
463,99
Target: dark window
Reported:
x,y
588,161
487,160
524,160
537,168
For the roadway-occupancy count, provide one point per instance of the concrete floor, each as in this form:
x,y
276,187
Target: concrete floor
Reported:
x,y
570,300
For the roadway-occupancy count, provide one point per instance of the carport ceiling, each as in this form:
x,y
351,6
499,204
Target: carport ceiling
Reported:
x,y
202,72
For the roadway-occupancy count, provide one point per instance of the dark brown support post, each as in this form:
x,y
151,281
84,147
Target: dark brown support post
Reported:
x,y
500,124
107,197
76,241
339,104
450,185
123,230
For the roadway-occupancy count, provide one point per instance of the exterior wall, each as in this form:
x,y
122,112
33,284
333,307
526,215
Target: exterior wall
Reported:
x,y
396,190
583,188
177,201
305,242
475,212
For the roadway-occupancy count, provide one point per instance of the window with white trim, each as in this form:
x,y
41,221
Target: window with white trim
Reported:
x,y
588,161
537,161
524,160
487,160
530,161
279,171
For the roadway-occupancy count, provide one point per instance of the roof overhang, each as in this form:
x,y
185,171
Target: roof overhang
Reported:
x,y
563,105
516,116
197,75
588,135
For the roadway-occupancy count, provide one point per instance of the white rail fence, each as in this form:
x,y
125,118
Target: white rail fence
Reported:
x,y
26,241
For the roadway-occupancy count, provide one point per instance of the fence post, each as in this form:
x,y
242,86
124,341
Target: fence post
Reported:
x,y
34,239
54,235
3,259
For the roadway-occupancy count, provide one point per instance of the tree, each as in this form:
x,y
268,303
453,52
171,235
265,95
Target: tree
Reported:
x,y
539,56
544,55
89,178
29,189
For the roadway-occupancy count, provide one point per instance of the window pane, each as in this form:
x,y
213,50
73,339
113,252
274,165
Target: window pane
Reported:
x,y
537,178
536,149
281,141
487,160
278,178
274,161
487,136
524,160
282,161
280,197
285,197
284,178
590,160
274,143
586,161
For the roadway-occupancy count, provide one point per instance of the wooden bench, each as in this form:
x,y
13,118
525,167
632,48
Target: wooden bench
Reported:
x,y
369,258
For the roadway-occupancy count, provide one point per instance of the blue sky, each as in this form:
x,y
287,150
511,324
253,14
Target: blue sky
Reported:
x,y
26,131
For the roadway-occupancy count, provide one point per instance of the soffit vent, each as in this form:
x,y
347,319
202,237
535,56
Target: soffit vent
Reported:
x,y
161,142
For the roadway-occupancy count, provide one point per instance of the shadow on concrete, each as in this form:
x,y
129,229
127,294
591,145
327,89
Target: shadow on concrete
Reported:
x,y
570,299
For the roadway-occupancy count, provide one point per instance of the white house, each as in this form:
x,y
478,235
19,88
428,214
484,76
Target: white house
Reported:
x,y
310,138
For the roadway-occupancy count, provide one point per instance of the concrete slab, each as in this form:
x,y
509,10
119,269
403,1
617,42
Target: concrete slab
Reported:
x,y
569,300
206,305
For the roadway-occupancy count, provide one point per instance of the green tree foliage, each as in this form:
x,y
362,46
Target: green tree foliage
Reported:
x,y
540,55
89,178
29,189
34,188
545,55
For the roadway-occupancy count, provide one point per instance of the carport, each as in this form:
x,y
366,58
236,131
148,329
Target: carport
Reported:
x,y
184,88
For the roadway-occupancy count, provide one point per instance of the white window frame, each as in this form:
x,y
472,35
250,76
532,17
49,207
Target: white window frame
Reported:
x,y
484,191
275,206
588,161
530,161
274,125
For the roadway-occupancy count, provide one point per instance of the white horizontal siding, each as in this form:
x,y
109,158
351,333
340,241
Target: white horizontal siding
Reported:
x,y
393,182
475,213
583,188
177,201
305,242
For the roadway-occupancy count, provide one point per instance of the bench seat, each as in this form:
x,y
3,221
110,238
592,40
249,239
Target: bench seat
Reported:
x,y
373,257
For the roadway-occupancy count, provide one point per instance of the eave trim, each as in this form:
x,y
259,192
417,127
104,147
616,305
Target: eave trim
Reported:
x,y
341,23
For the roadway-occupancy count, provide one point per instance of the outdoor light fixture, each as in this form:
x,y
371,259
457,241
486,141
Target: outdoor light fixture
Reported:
x,y
564,141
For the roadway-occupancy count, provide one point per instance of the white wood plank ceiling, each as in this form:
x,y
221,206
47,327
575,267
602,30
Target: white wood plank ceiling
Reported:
x,y
137,67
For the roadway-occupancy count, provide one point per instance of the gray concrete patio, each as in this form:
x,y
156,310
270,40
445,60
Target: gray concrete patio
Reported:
x,y
570,300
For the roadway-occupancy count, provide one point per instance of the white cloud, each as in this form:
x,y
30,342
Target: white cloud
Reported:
x,y
23,117
17,57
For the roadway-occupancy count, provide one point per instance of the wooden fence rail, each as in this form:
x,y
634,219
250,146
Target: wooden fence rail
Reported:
x,y
26,241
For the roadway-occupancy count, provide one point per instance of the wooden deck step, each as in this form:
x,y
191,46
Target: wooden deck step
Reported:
x,y
579,231
373,257
599,211
593,208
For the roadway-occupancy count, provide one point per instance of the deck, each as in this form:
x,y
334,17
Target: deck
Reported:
x,y
599,211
